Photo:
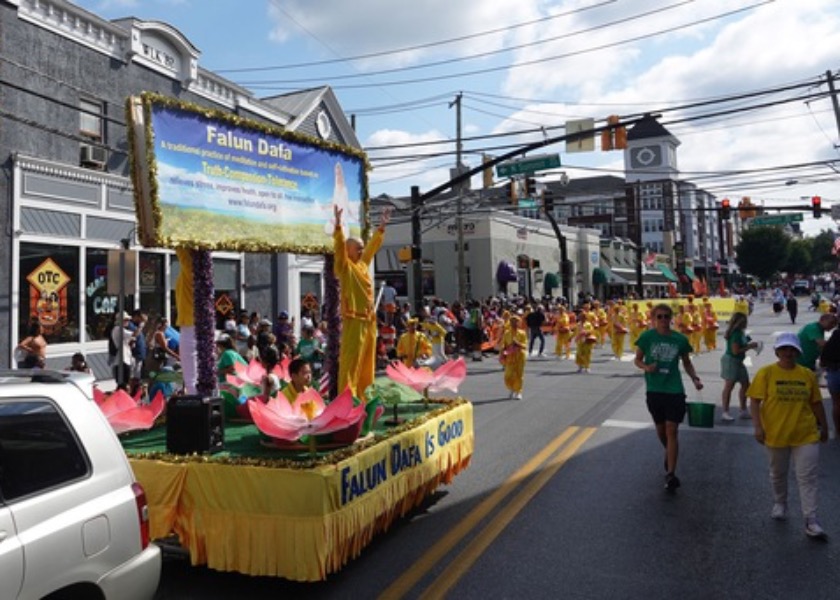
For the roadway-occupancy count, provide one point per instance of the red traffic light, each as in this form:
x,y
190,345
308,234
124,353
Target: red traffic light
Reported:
x,y
816,206
725,209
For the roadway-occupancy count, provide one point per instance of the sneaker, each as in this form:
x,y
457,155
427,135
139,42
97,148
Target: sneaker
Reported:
x,y
779,512
813,529
518,396
672,482
744,414
727,417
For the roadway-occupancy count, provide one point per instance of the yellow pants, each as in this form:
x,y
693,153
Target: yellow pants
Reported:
x,y
618,343
563,344
583,354
515,371
710,338
357,361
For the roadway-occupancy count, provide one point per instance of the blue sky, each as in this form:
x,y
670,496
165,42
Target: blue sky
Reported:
x,y
527,65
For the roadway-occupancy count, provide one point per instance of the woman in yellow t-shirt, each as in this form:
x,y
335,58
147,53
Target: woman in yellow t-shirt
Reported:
x,y
789,419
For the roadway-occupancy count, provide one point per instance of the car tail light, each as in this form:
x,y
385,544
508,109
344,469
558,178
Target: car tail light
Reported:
x,y
142,513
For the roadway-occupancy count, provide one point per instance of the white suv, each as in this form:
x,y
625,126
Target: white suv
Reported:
x,y
73,519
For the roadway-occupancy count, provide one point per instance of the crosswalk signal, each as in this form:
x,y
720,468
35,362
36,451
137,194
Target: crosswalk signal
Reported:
x,y
725,209
816,206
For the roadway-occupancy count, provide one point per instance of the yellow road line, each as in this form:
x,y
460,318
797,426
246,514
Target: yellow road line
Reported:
x,y
403,584
465,560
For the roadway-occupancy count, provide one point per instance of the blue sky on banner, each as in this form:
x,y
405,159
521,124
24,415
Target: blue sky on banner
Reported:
x,y
741,83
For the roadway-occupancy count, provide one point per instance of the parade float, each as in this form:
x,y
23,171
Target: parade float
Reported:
x,y
254,484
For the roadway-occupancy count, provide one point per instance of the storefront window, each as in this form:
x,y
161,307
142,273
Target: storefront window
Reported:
x,y
100,306
225,285
49,291
152,290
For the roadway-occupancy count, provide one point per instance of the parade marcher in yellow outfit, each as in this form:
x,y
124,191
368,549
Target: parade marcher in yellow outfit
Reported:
x,y
638,323
436,334
514,346
710,326
620,327
601,323
185,301
696,328
585,339
413,345
563,333
357,361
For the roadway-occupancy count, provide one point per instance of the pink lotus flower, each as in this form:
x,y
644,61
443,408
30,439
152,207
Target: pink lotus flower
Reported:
x,y
254,371
448,376
125,413
307,416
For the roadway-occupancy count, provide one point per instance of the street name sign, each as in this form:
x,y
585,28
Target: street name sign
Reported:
x,y
777,219
530,164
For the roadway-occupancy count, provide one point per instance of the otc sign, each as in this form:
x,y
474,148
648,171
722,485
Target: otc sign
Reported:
x,y
47,296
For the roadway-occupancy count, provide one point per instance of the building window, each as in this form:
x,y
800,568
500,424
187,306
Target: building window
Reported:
x,y
100,306
90,119
49,291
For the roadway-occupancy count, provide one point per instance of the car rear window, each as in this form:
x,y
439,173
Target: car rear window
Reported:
x,y
38,449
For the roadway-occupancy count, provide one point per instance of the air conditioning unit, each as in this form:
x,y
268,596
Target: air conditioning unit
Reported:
x,y
94,157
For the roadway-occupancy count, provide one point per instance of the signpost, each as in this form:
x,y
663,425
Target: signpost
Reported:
x,y
530,164
777,219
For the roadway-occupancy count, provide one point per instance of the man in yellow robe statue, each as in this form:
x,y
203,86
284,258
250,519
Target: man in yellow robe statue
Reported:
x,y
357,360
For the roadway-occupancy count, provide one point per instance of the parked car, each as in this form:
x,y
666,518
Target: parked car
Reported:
x,y
801,287
73,518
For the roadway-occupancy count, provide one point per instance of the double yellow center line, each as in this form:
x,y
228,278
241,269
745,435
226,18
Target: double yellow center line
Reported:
x,y
471,553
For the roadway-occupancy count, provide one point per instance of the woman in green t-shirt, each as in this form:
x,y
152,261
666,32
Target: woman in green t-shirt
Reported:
x,y
732,369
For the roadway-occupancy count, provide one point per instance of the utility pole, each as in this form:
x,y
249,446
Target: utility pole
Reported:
x,y
416,249
459,212
830,77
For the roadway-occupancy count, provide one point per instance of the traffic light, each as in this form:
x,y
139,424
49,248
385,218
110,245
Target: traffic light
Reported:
x,y
530,187
548,200
725,209
614,138
816,206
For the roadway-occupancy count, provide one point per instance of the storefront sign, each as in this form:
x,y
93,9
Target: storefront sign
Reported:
x,y
47,295
224,306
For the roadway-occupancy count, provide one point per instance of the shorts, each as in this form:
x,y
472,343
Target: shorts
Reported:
x,y
663,407
390,308
733,369
832,379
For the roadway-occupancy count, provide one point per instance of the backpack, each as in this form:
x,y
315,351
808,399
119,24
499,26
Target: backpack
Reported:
x,y
830,354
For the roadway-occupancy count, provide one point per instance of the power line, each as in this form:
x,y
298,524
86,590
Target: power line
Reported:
x,y
536,61
505,50
505,29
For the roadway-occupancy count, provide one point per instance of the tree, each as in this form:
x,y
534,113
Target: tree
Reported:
x,y
821,258
763,251
799,258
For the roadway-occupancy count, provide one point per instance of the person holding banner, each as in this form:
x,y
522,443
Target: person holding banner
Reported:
x,y
357,358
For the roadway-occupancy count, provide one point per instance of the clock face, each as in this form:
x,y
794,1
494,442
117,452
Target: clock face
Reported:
x,y
322,123
645,157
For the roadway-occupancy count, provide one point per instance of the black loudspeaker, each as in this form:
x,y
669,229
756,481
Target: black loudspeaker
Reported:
x,y
195,424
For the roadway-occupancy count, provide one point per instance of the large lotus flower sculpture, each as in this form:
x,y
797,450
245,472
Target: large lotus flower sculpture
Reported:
x,y
309,415
125,413
248,378
448,376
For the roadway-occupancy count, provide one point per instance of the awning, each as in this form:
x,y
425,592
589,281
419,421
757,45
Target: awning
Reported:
x,y
604,276
691,275
552,280
668,273
506,273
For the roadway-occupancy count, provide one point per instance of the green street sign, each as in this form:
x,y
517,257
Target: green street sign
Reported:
x,y
526,203
777,219
531,164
